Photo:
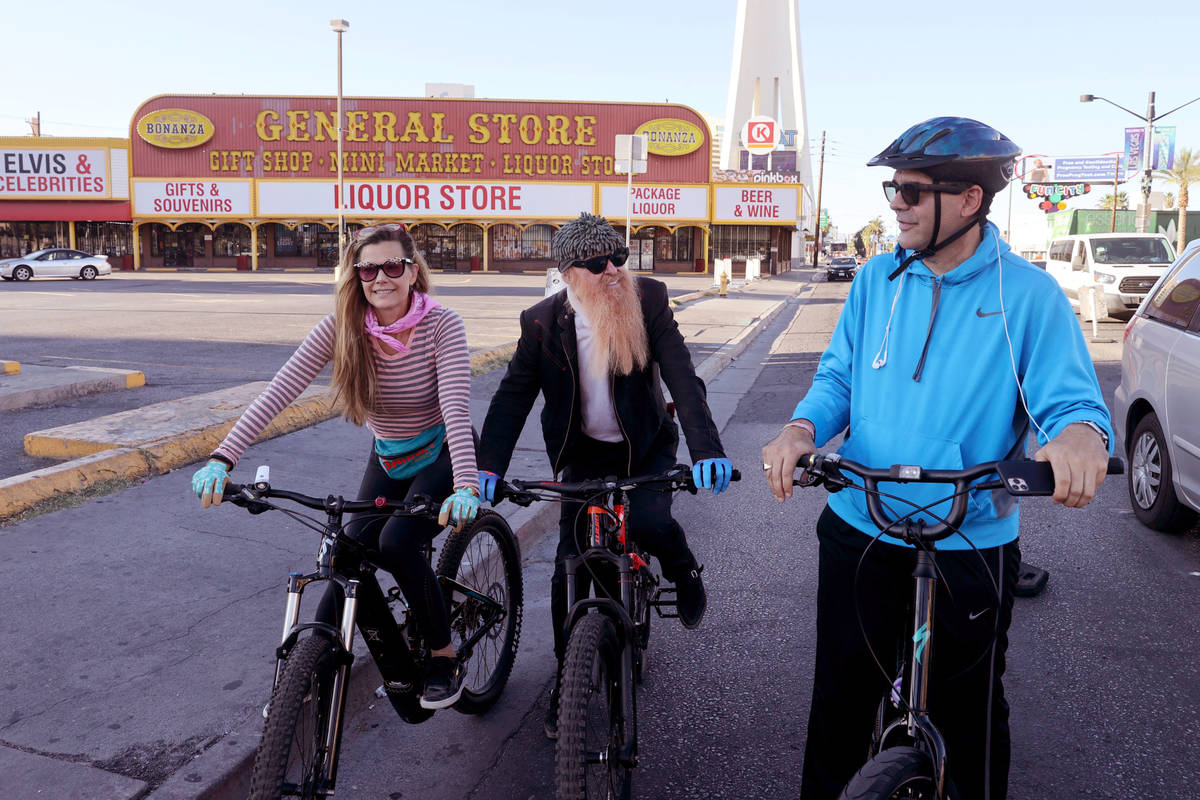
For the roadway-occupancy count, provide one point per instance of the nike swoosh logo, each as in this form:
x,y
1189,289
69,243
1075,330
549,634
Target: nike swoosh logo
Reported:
x,y
978,614
979,312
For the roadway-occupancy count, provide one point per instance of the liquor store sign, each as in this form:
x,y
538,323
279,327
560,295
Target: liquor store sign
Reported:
x,y
30,173
411,199
756,204
655,202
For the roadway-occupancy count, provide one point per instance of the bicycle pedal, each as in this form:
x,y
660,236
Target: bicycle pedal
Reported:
x,y
659,602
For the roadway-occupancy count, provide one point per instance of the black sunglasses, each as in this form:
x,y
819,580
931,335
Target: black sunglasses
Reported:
x,y
910,193
597,264
393,268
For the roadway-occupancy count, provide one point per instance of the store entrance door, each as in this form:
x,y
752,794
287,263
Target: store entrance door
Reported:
x,y
641,255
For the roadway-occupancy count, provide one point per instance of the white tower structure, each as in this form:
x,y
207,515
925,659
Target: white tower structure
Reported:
x,y
766,80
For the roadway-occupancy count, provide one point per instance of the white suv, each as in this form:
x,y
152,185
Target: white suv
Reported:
x,y
1156,409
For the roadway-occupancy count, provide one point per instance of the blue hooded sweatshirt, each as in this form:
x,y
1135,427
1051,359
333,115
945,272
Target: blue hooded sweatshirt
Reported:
x,y
919,369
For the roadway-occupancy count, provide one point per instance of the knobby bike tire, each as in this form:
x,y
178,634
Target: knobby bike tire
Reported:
x,y
486,557
898,773
292,749
590,719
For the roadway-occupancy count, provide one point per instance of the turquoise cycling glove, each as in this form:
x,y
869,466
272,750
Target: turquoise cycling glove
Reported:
x,y
209,483
459,508
712,473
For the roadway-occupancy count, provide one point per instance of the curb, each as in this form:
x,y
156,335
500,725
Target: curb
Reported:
x,y
11,367
222,772
729,351
93,380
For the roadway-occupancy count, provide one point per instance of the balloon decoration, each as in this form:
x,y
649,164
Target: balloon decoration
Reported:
x,y
1054,196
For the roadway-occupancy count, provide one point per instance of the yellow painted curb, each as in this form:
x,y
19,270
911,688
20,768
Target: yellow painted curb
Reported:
x,y
11,367
135,379
22,492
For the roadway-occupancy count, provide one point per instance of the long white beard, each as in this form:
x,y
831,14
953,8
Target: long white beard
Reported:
x,y
620,344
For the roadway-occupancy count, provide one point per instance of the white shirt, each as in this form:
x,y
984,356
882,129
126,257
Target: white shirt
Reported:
x,y
599,415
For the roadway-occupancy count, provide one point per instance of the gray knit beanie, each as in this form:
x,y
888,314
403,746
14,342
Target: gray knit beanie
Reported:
x,y
586,236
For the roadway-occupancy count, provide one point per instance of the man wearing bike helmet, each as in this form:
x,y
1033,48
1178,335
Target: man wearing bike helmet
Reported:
x,y
948,351
596,352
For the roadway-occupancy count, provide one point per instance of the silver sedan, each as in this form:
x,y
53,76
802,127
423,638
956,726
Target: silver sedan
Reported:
x,y
1156,410
55,262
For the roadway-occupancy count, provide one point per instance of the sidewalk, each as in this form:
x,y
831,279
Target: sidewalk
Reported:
x,y
140,640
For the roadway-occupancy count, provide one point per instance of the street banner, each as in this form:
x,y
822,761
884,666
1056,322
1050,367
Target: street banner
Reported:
x,y
1163,151
1135,139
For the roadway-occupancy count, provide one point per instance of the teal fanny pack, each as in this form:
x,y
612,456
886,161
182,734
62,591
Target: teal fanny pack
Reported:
x,y
403,458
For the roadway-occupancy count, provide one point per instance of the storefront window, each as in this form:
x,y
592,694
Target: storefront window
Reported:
x,y
21,238
506,242
178,248
231,239
535,242
468,240
286,245
740,242
425,237
104,238
673,246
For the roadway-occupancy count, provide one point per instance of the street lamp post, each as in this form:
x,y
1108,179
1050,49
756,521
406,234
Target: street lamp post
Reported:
x,y
340,26
1143,219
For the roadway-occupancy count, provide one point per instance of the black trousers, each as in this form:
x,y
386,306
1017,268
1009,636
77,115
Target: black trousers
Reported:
x,y
847,684
648,519
400,541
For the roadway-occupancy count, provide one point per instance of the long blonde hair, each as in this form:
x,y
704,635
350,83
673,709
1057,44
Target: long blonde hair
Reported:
x,y
353,356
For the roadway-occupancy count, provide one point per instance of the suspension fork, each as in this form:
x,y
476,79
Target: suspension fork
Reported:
x,y
337,695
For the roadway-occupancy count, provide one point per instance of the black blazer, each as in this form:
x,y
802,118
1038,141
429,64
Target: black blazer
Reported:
x,y
547,360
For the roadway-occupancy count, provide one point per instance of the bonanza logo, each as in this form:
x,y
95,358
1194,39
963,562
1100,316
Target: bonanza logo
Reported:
x,y
671,137
175,128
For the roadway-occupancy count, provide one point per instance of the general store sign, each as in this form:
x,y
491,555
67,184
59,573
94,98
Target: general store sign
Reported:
x,y
756,204
406,199
194,198
30,173
656,202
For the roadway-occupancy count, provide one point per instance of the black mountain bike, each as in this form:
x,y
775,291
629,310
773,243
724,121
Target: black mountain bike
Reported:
x,y
480,575
608,632
907,759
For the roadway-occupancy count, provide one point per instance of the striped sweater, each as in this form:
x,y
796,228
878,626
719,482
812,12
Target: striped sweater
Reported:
x,y
426,386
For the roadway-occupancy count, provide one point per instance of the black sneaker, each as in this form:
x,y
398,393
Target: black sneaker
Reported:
x,y
443,682
550,725
691,599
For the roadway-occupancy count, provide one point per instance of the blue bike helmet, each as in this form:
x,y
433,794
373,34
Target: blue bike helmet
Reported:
x,y
952,149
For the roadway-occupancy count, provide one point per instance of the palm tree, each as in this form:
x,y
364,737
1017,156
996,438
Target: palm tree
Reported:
x,y
871,233
1169,200
1122,201
1187,170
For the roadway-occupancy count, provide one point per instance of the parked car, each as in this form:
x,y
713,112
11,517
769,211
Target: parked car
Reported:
x,y
54,262
1155,409
842,267
1111,272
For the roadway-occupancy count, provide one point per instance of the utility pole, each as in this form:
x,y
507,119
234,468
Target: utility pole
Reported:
x,y
1143,218
820,184
35,124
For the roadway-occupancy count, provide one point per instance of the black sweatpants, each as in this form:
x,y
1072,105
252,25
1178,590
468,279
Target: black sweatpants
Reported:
x,y
399,541
847,685
648,519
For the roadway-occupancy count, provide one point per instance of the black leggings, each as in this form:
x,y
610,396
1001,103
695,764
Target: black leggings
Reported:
x,y
399,541
847,685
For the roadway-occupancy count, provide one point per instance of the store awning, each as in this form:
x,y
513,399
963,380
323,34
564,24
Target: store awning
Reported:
x,y
64,211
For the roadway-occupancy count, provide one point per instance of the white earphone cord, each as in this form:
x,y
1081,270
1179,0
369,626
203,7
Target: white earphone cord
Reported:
x,y
1011,356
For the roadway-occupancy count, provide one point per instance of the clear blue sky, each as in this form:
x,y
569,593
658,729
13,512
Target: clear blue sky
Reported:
x,y
871,68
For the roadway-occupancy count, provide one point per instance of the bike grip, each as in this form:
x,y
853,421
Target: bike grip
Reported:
x,y
736,476
1115,466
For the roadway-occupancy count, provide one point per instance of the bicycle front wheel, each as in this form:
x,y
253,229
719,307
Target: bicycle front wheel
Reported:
x,y
898,773
486,559
292,754
591,724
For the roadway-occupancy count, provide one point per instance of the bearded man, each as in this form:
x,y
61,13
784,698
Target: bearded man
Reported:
x,y
596,352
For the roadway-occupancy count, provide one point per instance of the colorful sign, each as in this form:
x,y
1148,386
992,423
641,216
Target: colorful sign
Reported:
x,y
535,201
28,173
688,203
756,204
1162,153
175,128
191,198
1135,141
1054,196
671,137
760,135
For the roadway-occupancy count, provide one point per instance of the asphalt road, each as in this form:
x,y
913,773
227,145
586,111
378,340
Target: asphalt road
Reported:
x,y
1103,666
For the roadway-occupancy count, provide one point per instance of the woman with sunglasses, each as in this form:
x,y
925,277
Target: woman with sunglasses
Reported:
x,y
400,367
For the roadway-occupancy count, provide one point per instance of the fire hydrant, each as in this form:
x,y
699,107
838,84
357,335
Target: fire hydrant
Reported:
x,y
724,284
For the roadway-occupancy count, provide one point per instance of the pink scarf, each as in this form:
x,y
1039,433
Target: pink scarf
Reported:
x,y
420,305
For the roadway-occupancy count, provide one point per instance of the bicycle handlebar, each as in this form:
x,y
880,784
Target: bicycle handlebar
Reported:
x,y
1019,478
251,495
523,493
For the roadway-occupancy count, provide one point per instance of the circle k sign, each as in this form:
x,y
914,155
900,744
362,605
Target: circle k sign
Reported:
x,y
761,134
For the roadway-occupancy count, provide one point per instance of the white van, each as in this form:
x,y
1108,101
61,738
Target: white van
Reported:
x,y
1119,267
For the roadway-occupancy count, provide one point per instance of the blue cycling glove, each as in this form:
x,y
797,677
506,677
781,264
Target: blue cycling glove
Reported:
x,y
487,485
209,483
712,473
459,508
